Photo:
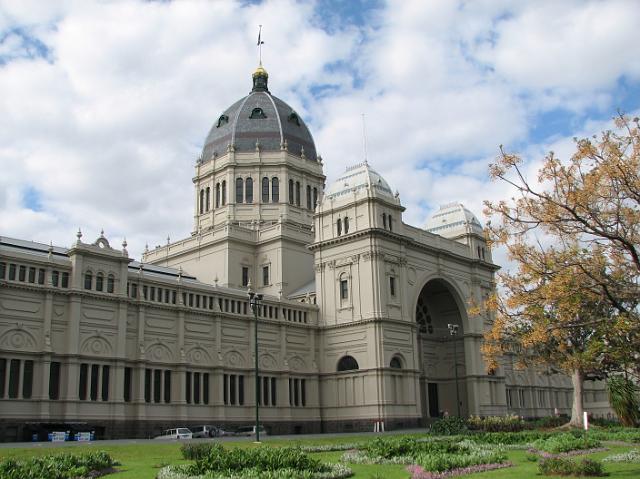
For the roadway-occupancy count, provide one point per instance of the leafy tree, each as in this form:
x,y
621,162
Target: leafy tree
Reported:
x,y
574,236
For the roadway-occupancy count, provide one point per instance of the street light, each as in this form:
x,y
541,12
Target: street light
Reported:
x,y
453,331
254,302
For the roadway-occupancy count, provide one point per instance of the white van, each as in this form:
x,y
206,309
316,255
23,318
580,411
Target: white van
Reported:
x,y
177,433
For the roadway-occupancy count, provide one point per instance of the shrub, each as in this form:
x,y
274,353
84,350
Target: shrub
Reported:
x,y
509,423
448,426
194,451
509,438
60,466
334,471
550,422
567,467
623,397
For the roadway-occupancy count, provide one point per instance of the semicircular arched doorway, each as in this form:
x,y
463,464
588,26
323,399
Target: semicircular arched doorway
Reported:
x,y
442,351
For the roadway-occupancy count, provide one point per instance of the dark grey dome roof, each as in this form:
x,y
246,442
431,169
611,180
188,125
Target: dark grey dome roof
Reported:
x,y
259,117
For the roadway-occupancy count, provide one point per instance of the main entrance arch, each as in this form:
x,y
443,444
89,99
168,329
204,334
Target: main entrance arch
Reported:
x,y
442,354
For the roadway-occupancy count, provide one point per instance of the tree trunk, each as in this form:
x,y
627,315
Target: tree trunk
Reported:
x,y
577,409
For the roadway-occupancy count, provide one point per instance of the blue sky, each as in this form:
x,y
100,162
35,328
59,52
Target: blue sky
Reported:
x,y
105,106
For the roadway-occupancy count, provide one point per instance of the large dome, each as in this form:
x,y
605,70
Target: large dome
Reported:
x,y
259,118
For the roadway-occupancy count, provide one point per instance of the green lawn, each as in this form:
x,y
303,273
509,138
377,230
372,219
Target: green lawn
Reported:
x,y
142,461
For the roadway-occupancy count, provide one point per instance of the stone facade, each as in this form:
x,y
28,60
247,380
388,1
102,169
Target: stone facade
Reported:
x,y
353,330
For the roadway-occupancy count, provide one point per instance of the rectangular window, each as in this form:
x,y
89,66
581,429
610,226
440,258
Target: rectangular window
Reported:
x,y
191,299
40,276
65,280
392,285
12,272
3,375
225,389
32,275
54,380
167,386
205,388
509,400
27,379
245,276
127,384
105,382
167,294
265,275
55,278
88,279
303,392
134,290
152,293
296,392
273,392
344,289
290,392
82,384
196,388
241,390
23,273
95,372
3,270
232,389
188,388
157,385
145,291
147,385
173,297
14,378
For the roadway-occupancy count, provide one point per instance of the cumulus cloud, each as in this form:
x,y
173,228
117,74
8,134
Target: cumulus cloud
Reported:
x,y
105,106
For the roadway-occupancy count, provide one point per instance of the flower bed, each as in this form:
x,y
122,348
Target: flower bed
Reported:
x,y
632,456
565,443
258,463
58,466
432,456
563,466
418,472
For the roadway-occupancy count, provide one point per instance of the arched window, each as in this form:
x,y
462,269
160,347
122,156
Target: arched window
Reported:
x,y
224,192
110,283
315,197
99,282
297,193
291,197
396,363
239,190
384,220
346,225
88,279
248,188
390,223
201,201
339,226
265,190
308,197
217,195
347,363
207,202
275,190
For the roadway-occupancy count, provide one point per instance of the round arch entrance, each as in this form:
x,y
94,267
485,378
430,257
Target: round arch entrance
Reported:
x,y
440,317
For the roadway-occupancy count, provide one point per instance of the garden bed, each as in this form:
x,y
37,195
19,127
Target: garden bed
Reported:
x,y
58,466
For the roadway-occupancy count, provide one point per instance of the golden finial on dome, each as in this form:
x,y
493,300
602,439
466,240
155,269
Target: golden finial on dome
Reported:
x,y
260,71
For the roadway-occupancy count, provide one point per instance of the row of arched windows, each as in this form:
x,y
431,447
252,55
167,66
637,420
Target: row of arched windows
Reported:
x,y
342,223
295,195
100,282
270,193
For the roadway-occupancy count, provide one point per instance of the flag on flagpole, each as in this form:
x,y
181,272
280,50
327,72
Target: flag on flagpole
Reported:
x,y
260,42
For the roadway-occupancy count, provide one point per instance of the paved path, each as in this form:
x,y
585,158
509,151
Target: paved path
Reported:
x,y
124,442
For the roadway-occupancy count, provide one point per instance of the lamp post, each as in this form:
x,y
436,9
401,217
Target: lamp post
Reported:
x,y
453,332
254,302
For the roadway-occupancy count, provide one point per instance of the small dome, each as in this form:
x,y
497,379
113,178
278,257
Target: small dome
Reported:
x,y
259,120
452,220
359,177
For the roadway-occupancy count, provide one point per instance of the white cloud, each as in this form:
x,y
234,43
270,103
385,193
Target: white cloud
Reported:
x,y
108,127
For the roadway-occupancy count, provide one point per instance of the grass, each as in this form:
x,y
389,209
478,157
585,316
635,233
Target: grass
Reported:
x,y
142,461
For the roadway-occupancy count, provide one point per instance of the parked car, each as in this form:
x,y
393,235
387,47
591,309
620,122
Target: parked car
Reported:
x,y
208,431
177,433
250,431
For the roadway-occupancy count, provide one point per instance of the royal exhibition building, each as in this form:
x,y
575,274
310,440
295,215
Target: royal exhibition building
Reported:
x,y
363,321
